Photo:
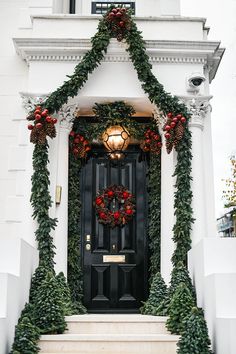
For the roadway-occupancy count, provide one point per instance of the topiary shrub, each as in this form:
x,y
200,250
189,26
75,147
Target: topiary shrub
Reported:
x,y
65,293
194,338
179,309
37,279
26,337
180,274
155,305
49,307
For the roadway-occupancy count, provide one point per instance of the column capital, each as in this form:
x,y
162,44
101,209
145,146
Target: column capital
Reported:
x,y
66,115
199,107
30,100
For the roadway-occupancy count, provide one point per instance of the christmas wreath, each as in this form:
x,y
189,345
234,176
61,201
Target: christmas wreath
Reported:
x,y
106,206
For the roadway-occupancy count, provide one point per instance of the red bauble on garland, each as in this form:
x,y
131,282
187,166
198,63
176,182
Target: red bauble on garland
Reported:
x,y
152,142
43,126
174,130
79,145
105,205
118,20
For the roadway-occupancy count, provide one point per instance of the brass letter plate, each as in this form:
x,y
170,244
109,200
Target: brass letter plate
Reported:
x,y
114,259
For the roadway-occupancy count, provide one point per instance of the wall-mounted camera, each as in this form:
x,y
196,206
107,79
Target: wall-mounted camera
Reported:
x,y
194,82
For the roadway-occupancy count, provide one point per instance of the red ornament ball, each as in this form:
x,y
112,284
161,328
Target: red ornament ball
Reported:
x,y
72,133
37,111
99,201
169,115
48,119
167,135
179,116
110,194
44,113
116,215
102,215
167,127
38,116
172,124
125,195
54,120
129,211
39,125
175,119
30,126
183,120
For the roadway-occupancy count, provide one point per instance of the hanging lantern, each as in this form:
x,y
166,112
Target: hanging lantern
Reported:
x,y
116,139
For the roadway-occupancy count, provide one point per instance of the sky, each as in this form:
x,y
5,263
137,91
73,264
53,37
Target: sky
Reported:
x,y
221,18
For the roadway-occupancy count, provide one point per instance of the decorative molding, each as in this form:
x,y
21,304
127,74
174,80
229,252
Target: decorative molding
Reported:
x,y
206,53
30,100
199,107
66,115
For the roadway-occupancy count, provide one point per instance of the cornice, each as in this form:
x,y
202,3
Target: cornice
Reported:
x,y
207,53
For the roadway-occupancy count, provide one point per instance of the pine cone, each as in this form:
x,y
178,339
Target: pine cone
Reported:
x,y
38,136
179,131
31,117
169,146
50,130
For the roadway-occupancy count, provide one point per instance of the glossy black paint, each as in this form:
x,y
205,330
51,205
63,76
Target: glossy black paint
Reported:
x,y
114,287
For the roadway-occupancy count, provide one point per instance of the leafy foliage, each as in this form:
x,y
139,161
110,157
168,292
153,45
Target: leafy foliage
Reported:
x,y
49,308
38,277
180,275
194,337
65,293
179,309
157,296
74,238
26,337
183,200
41,202
154,213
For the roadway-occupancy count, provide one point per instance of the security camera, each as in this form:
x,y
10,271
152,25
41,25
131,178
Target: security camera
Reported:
x,y
194,81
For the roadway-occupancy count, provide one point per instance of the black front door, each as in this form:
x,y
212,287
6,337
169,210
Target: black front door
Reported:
x,y
118,284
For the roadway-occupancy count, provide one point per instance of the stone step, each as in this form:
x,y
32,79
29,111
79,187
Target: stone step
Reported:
x,y
116,324
108,344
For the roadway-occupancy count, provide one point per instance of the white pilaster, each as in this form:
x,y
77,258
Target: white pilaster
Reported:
x,y
168,163
61,240
199,107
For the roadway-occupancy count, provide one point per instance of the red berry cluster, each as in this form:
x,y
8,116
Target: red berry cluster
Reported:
x,y
174,129
43,125
114,217
119,22
152,142
79,145
41,117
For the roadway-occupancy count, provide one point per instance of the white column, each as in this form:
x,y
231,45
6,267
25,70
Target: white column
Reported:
x,y
61,233
168,162
198,107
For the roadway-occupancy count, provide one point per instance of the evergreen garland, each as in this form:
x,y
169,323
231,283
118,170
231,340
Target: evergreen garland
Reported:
x,y
180,274
41,202
154,213
183,200
74,238
194,338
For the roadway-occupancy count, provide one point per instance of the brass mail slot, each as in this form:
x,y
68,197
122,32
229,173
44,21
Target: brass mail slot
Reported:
x,y
114,259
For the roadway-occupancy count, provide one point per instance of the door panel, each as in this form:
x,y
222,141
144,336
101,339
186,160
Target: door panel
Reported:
x,y
112,286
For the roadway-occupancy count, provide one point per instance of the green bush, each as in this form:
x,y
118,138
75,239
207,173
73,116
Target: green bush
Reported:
x,y
26,337
49,308
194,339
156,300
179,309
65,293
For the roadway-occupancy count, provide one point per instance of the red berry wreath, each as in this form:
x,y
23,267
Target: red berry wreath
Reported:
x,y
107,213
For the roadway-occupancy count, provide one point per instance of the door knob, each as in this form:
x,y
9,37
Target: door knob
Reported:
x,y
88,247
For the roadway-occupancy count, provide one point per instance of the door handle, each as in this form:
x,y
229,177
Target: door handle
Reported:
x,y
88,247
113,247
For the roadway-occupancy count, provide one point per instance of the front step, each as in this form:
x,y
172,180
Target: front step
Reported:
x,y
116,324
111,334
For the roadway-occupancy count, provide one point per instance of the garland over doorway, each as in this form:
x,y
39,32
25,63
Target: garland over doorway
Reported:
x,y
117,23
